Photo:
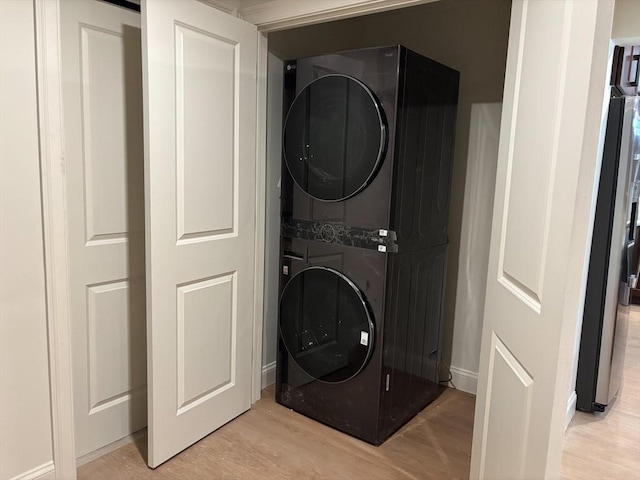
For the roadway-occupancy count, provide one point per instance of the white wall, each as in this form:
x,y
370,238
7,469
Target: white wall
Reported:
x,y
626,22
272,241
25,413
475,236
470,36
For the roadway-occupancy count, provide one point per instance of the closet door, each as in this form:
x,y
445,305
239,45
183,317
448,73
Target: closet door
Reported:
x,y
199,79
102,94
551,117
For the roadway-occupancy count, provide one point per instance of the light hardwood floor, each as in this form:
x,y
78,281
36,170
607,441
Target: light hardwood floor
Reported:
x,y
272,442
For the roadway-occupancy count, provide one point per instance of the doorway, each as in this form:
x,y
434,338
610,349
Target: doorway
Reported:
x,y
470,37
482,66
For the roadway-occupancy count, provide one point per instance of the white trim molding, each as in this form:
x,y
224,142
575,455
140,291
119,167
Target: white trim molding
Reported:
x,y
52,171
46,471
227,6
268,374
261,204
275,15
111,447
464,380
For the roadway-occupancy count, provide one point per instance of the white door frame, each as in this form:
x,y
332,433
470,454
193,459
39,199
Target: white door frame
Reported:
x,y
51,137
261,205
273,15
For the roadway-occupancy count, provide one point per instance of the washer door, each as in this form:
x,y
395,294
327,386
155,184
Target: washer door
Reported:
x,y
325,324
334,138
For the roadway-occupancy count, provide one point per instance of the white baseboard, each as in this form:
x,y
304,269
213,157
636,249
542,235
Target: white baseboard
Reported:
x,y
268,374
46,471
464,380
91,456
571,408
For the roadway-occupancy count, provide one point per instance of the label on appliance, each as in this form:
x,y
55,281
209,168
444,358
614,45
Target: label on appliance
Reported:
x,y
383,232
364,338
285,269
382,248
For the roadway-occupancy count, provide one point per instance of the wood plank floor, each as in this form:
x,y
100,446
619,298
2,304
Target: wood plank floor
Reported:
x,y
272,442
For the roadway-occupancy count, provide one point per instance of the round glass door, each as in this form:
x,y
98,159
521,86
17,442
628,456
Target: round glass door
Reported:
x,y
334,138
325,324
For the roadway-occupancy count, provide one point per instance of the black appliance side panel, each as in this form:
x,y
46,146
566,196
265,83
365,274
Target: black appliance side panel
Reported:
x,y
412,332
427,106
599,262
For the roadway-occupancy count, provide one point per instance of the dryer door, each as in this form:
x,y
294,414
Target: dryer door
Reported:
x,y
334,137
325,324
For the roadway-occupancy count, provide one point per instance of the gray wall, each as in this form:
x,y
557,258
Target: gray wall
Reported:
x,y
272,240
25,412
468,35
475,237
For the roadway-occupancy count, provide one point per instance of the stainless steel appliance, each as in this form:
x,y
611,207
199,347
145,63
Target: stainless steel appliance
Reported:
x,y
612,273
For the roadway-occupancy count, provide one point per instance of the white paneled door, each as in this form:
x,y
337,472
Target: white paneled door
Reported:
x,y
102,94
200,167
554,92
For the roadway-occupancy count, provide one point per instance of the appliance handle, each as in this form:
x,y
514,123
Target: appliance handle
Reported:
x,y
634,270
295,256
629,276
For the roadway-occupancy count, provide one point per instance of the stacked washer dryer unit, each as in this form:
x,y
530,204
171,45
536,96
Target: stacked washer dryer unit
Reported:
x,y
367,150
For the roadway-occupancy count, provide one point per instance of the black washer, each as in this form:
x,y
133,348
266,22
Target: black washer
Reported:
x,y
325,324
334,137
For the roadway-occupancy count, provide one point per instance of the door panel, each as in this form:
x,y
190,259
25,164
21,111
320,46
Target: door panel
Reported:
x,y
206,336
509,412
206,96
102,68
102,94
200,134
546,165
114,367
